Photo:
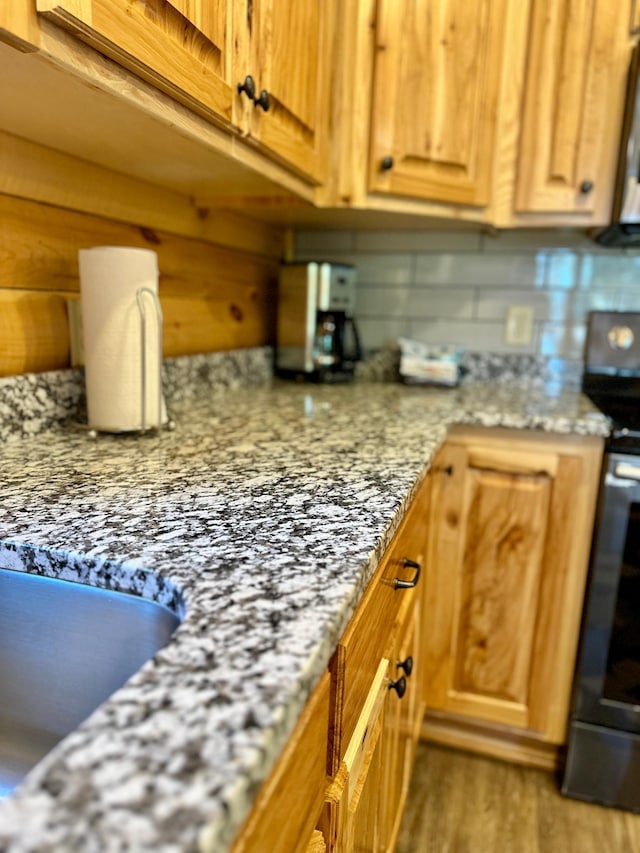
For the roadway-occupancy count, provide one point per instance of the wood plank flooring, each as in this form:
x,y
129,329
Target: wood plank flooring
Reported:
x,y
464,803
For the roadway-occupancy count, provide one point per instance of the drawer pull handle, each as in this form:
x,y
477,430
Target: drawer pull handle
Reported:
x,y
406,665
409,564
400,686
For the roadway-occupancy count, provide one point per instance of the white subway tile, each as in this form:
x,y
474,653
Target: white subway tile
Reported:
x,y
381,302
417,241
493,304
563,269
479,268
307,242
610,271
442,302
613,299
565,340
533,239
376,333
388,270
475,336
332,256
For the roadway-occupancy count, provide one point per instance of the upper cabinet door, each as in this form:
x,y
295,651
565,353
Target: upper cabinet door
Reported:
x,y
436,86
290,61
572,115
182,46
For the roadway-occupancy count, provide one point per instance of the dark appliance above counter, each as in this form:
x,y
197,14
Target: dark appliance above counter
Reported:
x,y
317,336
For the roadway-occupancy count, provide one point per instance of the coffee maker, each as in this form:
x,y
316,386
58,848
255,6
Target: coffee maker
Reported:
x,y
317,338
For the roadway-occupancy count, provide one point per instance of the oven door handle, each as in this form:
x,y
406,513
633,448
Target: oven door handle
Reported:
x,y
626,471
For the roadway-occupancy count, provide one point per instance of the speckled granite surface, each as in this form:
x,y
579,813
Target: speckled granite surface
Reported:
x,y
260,519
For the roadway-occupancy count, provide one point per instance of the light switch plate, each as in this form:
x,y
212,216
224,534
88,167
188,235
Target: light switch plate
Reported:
x,y
518,325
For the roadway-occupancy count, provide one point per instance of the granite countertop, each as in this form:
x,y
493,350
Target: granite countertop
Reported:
x,y
260,520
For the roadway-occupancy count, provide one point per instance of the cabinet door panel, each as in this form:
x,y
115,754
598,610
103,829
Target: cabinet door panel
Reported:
x,y
290,59
488,561
511,515
506,522
181,46
568,147
437,70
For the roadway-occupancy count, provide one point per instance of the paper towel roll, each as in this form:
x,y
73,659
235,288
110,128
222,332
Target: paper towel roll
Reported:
x,y
113,281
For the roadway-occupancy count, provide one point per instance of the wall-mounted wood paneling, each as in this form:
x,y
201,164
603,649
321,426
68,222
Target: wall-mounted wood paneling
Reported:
x,y
213,298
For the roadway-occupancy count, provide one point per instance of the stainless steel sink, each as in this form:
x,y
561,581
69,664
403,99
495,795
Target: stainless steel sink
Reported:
x,y
64,648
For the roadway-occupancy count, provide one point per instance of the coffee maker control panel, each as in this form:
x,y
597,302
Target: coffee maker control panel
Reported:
x,y
336,288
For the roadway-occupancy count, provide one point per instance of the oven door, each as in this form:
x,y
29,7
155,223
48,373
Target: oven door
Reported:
x,y
608,676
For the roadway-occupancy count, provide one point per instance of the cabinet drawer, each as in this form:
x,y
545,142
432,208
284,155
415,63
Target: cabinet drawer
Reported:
x,y
369,635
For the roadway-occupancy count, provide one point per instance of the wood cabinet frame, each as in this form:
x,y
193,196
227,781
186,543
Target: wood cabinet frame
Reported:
x,y
539,656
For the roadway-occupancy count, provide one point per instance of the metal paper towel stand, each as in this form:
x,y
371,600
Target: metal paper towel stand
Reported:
x,y
170,425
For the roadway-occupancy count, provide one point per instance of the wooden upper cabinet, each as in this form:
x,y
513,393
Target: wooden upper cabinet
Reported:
x,y
572,113
289,54
437,69
182,46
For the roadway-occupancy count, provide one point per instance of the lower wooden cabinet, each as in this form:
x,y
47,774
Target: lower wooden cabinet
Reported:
x,y
370,789
287,808
375,753
356,798
341,782
404,711
511,520
473,612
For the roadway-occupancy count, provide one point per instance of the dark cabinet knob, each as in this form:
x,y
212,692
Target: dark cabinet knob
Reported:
x,y
586,187
263,100
408,564
248,87
386,163
400,686
406,665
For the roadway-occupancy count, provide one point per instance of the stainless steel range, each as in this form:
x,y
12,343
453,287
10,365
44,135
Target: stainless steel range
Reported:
x,y
603,756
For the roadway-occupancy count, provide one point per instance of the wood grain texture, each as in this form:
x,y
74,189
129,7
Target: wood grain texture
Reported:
x,y
494,740
437,75
39,173
360,648
505,535
290,56
461,803
508,558
402,719
578,55
213,298
179,47
19,25
34,332
316,843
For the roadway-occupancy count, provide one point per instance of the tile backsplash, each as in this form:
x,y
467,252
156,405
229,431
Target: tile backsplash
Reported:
x,y
447,287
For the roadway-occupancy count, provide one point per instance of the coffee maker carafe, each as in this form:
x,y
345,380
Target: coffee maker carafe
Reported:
x,y
317,335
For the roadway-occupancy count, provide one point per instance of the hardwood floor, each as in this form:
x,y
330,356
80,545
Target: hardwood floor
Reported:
x,y
464,803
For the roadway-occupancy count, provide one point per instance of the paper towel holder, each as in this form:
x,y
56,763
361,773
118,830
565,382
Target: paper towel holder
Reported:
x,y
145,427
